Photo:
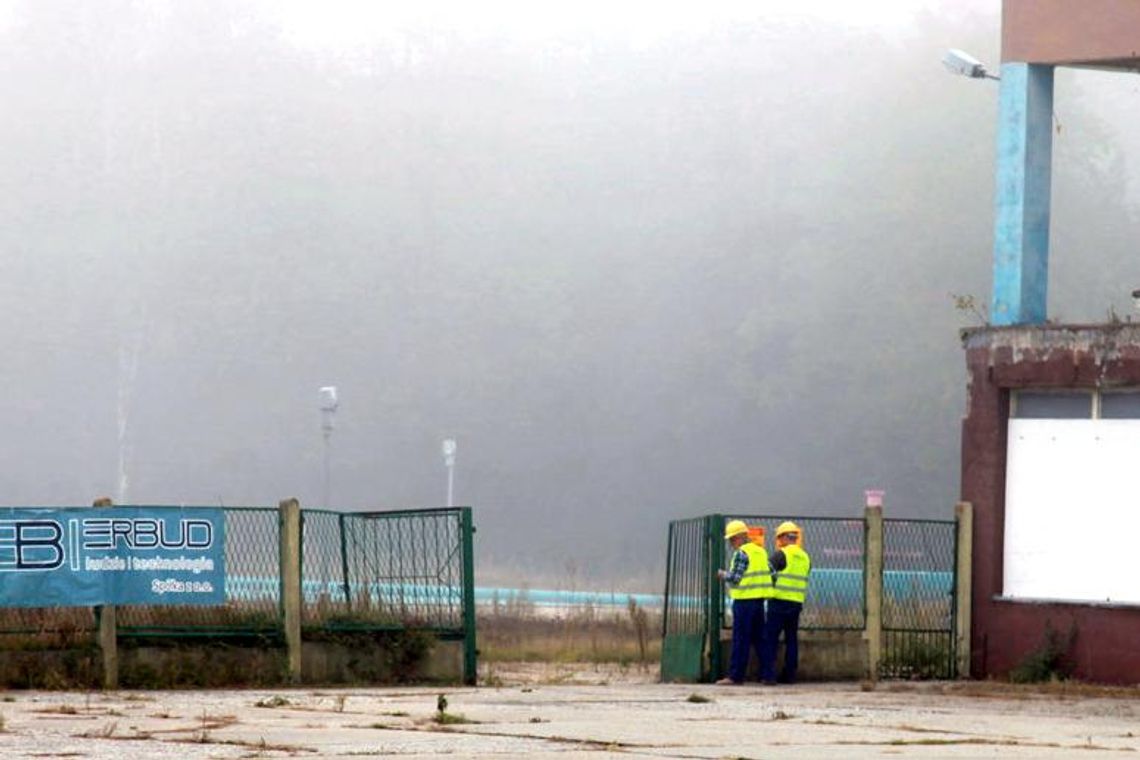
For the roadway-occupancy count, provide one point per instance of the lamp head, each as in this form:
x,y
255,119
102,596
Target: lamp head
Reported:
x,y
964,64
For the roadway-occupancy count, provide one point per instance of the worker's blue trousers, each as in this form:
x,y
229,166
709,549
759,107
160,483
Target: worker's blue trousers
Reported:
x,y
747,634
783,616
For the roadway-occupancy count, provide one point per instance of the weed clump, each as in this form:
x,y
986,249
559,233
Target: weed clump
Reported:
x,y
274,701
444,718
1048,662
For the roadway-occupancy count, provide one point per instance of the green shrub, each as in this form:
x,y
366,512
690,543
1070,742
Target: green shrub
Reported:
x,y
1048,662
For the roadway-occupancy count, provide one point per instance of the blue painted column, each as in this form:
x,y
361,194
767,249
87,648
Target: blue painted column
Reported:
x,y
1024,173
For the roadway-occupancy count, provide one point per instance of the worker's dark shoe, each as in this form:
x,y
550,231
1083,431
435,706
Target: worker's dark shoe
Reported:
x,y
769,682
727,682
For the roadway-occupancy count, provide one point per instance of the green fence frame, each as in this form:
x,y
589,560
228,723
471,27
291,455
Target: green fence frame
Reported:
x,y
392,570
691,614
919,638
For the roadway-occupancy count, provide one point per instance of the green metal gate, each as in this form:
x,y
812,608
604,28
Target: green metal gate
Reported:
x,y
394,570
919,593
918,600
696,611
690,622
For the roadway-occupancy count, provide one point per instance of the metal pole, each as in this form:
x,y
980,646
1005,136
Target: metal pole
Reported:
x,y
328,471
448,449
329,406
714,595
344,564
451,484
470,651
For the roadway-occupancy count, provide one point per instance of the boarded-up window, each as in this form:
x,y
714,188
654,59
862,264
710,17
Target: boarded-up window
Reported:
x,y
1072,508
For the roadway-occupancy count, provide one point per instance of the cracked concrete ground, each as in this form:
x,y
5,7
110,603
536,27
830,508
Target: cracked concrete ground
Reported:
x,y
589,712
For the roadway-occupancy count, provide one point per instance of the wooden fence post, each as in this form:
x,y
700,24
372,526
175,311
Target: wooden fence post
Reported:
x,y
290,569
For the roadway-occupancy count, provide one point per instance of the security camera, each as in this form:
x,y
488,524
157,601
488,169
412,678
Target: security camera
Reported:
x,y
964,64
1136,299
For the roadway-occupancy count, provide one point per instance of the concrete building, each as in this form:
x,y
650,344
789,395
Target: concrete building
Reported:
x,y
1051,435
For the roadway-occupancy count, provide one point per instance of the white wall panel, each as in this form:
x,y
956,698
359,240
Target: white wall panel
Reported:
x,y
1072,510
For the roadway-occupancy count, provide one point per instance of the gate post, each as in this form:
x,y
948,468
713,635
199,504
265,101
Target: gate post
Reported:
x,y
873,596
714,542
470,652
963,585
289,519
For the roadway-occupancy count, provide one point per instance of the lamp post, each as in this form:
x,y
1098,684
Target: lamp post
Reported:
x,y
328,410
448,449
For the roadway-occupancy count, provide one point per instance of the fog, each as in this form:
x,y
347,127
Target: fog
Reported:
x,y
640,265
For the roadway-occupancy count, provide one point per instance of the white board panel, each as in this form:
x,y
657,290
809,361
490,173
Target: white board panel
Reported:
x,y
1072,510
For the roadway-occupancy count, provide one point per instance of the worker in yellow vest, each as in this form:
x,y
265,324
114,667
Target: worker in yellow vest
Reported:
x,y
749,582
791,568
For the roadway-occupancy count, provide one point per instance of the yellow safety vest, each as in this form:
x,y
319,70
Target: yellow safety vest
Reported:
x,y
792,581
756,583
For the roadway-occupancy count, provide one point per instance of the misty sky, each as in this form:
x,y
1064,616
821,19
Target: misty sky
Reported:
x,y
642,261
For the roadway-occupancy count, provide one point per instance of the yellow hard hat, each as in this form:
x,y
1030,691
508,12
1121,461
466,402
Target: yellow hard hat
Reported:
x,y
787,527
735,528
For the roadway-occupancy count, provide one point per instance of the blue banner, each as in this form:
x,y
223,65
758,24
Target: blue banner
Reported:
x,y
82,556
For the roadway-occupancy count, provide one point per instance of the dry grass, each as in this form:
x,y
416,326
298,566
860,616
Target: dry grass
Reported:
x,y
583,635
30,628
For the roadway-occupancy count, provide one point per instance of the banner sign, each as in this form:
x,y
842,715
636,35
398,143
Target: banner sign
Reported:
x,y
82,556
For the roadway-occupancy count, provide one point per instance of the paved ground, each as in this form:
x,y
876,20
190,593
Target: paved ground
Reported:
x,y
590,713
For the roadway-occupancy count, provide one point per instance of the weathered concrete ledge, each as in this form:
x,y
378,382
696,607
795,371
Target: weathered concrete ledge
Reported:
x,y
1059,356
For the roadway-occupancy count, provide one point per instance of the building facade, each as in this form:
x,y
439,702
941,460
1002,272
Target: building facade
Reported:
x,y
1051,435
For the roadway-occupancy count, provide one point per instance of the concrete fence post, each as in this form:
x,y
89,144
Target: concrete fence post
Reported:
x,y
873,577
289,521
963,584
108,635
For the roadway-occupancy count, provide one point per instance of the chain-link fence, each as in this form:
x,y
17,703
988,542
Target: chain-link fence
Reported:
x,y
836,545
47,627
918,598
402,568
918,604
253,588
369,570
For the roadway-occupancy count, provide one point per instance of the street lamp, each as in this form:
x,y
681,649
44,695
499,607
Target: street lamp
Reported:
x,y
328,410
448,449
964,64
